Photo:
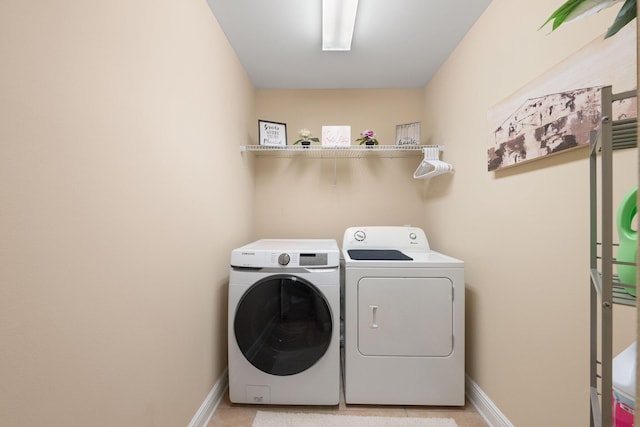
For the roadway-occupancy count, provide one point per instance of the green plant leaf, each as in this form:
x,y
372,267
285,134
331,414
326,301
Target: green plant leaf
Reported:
x,y
561,13
627,13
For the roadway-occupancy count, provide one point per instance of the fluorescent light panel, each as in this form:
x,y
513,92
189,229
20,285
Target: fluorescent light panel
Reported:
x,y
338,20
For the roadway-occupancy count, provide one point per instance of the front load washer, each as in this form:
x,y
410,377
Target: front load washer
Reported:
x,y
404,319
284,322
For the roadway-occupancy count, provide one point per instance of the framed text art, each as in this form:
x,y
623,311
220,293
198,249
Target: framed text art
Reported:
x,y
272,134
408,134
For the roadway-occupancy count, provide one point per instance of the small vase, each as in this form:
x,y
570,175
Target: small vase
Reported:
x,y
305,144
369,144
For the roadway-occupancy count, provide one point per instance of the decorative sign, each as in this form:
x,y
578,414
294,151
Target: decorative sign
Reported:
x,y
408,134
272,134
336,136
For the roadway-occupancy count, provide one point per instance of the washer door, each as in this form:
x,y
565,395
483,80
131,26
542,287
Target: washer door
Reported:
x,y
283,325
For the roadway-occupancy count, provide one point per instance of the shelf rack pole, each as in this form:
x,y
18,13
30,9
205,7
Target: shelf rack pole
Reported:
x,y
605,290
596,416
606,348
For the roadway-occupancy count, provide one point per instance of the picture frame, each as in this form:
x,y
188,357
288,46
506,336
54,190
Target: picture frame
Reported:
x,y
272,134
408,134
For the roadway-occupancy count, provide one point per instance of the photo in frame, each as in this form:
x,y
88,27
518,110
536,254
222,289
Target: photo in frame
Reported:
x,y
408,134
272,134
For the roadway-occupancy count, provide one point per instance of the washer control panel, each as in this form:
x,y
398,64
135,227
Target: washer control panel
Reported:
x,y
287,253
301,259
285,259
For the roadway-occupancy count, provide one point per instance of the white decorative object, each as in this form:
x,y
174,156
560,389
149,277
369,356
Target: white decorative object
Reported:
x,y
336,136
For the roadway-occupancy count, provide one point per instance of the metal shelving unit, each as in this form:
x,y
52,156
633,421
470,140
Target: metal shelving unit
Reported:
x,y
606,289
355,151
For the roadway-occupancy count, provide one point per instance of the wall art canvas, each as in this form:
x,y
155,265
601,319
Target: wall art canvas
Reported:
x,y
546,125
555,112
336,136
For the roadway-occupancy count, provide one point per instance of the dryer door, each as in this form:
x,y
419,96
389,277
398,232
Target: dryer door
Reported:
x,y
405,316
283,324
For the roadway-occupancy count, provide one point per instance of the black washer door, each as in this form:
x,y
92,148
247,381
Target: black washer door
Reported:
x,y
283,325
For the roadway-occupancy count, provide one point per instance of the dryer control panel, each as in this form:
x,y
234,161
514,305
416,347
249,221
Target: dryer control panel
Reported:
x,y
385,237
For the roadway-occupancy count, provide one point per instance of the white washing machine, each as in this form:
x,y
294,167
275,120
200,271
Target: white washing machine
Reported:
x,y
404,319
284,322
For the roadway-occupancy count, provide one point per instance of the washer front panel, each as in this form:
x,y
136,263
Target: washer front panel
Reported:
x,y
317,385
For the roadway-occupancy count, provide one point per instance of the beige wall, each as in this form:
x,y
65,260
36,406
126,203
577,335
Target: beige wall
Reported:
x,y
122,193
320,198
523,232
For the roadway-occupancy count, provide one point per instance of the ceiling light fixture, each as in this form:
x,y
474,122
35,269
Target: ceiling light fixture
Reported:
x,y
338,21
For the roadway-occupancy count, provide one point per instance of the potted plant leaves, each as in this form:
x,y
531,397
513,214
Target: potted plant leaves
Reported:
x,y
305,138
368,138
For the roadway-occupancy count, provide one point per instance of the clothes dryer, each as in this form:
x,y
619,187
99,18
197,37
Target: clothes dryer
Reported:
x,y
284,322
403,308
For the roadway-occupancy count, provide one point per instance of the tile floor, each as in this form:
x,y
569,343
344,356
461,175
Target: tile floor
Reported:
x,y
240,415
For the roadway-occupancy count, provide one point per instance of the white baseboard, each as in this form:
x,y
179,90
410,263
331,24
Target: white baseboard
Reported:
x,y
485,406
208,407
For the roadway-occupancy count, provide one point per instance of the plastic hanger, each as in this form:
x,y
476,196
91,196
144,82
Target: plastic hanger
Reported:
x,y
431,165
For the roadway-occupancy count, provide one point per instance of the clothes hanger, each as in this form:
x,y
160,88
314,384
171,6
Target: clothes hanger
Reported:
x,y
431,165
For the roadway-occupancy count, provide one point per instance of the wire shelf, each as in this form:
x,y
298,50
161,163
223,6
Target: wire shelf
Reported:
x,y
317,151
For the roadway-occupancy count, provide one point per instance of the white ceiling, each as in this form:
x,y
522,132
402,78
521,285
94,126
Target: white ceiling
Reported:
x,y
396,43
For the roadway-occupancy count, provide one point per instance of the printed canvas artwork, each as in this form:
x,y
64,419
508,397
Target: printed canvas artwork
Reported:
x,y
546,125
557,111
336,136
